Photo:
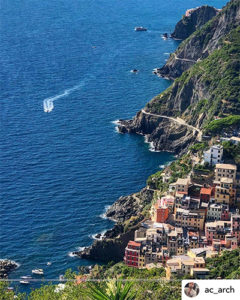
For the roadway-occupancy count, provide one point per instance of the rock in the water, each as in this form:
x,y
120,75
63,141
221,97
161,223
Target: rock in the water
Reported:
x,y
7,266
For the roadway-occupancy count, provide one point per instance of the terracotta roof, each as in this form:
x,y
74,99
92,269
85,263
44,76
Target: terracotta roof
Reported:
x,y
132,243
191,233
206,191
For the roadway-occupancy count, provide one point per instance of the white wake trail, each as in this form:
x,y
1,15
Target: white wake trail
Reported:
x,y
48,105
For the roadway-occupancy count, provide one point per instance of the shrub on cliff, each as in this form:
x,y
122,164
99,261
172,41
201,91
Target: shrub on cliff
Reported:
x,y
225,124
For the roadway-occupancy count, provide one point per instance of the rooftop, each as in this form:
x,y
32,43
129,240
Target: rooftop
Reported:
x,y
235,138
226,166
132,243
206,191
182,181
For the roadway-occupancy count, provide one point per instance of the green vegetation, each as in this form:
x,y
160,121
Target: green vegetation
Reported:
x,y
225,124
199,147
219,77
178,169
117,282
231,152
114,290
125,283
225,266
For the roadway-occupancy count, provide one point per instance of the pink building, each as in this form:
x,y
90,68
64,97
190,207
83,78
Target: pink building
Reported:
x,y
235,226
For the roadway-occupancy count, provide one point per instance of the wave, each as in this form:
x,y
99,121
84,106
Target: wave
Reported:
x,y
72,254
48,105
151,145
94,236
116,122
103,215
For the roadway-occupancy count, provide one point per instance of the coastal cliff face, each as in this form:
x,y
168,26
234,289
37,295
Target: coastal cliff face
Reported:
x,y
128,213
163,134
202,42
195,20
208,90
176,118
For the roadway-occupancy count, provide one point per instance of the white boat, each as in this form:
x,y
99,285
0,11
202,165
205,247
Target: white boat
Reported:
x,y
24,282
38,271
61,278
49,263
26,277
140,28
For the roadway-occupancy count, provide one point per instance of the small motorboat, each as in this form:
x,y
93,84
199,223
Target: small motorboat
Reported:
x,y
26,277
61,278
24,282
134,71
49,263
38,271
165,35
140,28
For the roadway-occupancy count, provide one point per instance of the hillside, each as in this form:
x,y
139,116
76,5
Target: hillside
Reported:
x,y
195,19
156,287
208,90
203,41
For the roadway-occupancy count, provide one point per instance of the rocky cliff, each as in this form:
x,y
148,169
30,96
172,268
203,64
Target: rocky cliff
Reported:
x,y
202,42
128,212
177,117
194,20
209,89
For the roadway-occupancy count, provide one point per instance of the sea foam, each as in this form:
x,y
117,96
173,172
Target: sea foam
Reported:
x,y
103,215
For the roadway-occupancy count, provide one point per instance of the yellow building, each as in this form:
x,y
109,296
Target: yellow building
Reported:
x,y
191,219
182,186
225,171
225,193
141,262
185,265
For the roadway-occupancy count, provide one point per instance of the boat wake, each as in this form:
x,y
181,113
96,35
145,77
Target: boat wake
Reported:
x,y
48,105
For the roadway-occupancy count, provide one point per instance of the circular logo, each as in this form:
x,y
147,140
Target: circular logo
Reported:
x,y
191,289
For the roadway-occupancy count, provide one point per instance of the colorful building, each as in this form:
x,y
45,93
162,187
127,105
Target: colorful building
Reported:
x,y
132,254
206,194
225,192
191,219
225,171
217,230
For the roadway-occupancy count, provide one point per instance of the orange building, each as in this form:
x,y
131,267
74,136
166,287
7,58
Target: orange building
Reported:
x,y
160,213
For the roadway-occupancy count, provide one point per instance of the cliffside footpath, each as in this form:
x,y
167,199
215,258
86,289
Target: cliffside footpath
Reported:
x,y
203,99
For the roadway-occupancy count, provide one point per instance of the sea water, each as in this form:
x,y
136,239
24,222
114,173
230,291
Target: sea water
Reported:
x,y
65,78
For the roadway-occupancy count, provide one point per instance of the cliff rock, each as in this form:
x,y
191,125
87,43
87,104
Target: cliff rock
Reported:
x,y
128,212
202,42
194,20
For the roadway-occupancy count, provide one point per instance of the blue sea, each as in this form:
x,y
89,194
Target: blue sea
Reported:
x,y
60,168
